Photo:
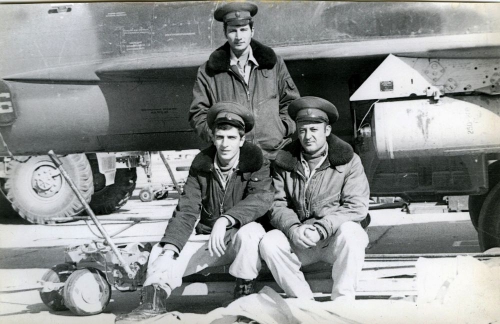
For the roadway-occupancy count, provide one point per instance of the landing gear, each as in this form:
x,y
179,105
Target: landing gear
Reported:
x,y
107,199
38,192
147,194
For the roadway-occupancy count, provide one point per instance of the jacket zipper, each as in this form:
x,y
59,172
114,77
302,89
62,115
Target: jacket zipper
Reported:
x,y
221,207
247,89
306,201
224,190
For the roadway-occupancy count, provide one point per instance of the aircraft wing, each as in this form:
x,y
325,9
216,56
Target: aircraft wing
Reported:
x,y
119,76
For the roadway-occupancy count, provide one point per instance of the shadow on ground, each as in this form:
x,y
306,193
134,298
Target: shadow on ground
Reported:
x,y
9,215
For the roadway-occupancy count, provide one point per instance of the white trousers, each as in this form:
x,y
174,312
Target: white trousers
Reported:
x,y
345,251
241,252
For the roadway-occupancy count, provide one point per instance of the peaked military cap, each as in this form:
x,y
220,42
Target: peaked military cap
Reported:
x,y
313,109
236,13
232,113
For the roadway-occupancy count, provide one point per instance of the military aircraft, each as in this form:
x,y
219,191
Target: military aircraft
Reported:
x,y
416,85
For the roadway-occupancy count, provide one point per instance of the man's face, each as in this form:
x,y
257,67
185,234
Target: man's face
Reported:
x,y
228,143
239,38
312,136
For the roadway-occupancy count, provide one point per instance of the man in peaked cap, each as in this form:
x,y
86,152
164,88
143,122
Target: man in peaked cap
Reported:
x,y
227,189
320,205
250,73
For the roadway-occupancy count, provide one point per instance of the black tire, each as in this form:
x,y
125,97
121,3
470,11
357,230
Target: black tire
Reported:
x,y
477,201
161,194
475,204
489,220
54,299
86,292
108,199
37,199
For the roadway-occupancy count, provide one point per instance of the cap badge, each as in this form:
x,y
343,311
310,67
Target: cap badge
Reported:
x,y
309,112
237,14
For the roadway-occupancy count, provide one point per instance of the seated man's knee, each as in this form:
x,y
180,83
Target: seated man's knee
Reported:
x,y
271,242
251,231
352,234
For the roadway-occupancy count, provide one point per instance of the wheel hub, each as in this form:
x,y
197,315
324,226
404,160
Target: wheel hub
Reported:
x,y
90,291
46,181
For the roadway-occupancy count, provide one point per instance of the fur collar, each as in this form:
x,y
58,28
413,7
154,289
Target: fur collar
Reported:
x,y
251,159
219,59
339,153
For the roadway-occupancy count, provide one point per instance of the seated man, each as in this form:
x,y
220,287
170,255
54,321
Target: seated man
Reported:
x,y
229,186
321,197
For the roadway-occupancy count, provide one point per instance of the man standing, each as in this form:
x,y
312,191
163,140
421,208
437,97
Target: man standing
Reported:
x,y
245,71
321,198
228,188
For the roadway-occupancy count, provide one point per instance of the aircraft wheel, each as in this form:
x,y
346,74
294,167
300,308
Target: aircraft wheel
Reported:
x,y
54,299
489,220
107,199
146,195
477,201
86,292
38,191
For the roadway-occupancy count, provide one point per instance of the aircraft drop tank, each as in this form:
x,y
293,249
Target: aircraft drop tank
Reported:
x,y
447,127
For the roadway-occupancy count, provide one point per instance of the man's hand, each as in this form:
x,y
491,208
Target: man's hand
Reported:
x,y
162,267
216,242
313,234
299,237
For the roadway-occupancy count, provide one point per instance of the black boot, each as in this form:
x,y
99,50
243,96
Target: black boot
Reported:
x,y
153,303
244,287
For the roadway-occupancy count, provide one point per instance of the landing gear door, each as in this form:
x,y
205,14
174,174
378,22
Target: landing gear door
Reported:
x,y
107,166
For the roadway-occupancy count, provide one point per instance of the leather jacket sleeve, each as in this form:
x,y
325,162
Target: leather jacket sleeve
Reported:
x,y
187,212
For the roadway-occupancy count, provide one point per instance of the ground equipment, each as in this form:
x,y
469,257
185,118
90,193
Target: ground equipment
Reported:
x,y
83,284
148,193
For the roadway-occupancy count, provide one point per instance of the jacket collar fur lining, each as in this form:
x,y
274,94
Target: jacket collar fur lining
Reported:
x,y
219,59
339,153
251,159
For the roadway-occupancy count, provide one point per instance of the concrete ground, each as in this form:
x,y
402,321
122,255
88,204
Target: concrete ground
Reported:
x,y
27,251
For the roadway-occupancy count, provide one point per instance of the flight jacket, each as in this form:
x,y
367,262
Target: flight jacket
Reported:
x,y
338,192
269,91
248,195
